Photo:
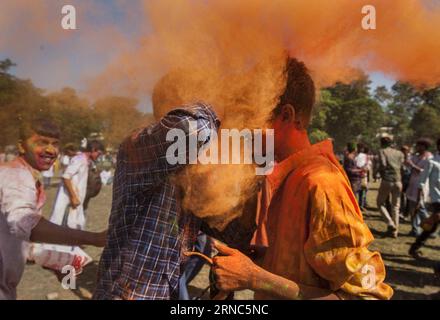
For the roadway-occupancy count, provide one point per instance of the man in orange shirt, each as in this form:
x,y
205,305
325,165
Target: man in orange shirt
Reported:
x,y
316,237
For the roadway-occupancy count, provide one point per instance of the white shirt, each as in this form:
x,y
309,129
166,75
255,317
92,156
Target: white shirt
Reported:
x,y
48,173
361,160
430,178
413,186
105,176
20,211
65,160
77,171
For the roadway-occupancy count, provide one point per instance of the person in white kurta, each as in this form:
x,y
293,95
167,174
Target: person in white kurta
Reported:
x,y
77,172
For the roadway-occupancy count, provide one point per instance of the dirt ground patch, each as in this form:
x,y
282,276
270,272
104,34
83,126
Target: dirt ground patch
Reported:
x,y
410,279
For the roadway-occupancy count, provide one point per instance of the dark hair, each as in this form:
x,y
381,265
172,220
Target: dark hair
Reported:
x,y
425,142
385,141
70,147
351,146
95,145
43,127
361,147
438,142
299,90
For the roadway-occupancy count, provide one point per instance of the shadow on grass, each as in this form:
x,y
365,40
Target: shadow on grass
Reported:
x,y
405,295
198,293
86,282
409,278
408,260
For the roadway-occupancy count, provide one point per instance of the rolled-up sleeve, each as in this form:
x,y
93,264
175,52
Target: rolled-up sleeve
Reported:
x,y
337,247
72,169
19,205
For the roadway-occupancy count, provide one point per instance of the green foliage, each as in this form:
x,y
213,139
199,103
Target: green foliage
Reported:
x,y
426,122
400,111
354,90
5,65
382,95
73,114
118,117
413,112
20,100
317,135
347,112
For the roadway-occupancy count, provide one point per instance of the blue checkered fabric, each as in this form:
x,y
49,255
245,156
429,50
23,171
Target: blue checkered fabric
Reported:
x,y
147,228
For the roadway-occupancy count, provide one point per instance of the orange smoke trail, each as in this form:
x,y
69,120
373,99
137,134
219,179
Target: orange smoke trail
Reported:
x,y
237,48
231,35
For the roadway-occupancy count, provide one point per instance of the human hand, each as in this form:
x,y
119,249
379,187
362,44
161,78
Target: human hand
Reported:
x,y
74,202
233,270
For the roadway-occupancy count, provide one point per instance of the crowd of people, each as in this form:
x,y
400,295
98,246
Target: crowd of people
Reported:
x,y
302,236
409,187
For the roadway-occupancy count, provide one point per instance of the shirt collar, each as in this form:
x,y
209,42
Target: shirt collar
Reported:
x,y
283,169
35,173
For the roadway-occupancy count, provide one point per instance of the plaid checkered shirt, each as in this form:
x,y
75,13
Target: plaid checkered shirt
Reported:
x,y
147,228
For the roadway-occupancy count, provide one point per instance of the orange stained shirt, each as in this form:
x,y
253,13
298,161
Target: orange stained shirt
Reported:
x,y
314,229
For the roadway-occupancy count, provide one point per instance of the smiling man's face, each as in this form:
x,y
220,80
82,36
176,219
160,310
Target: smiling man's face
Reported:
x,y
40,151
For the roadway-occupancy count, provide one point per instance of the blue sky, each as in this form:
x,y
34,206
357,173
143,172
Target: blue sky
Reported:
x,y
381,79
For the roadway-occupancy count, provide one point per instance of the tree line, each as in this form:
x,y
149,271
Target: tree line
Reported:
x,y
354,113
114,117
349,112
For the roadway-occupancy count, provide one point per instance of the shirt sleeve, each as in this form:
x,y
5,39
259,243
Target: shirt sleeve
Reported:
x,y
337,245
424,176
382,163
73,168
19,205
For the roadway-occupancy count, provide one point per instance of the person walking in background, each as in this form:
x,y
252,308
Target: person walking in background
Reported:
x,y
72,191
353,172
369,173
417,211
406,174
362,162
429,182
2,155
390,164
